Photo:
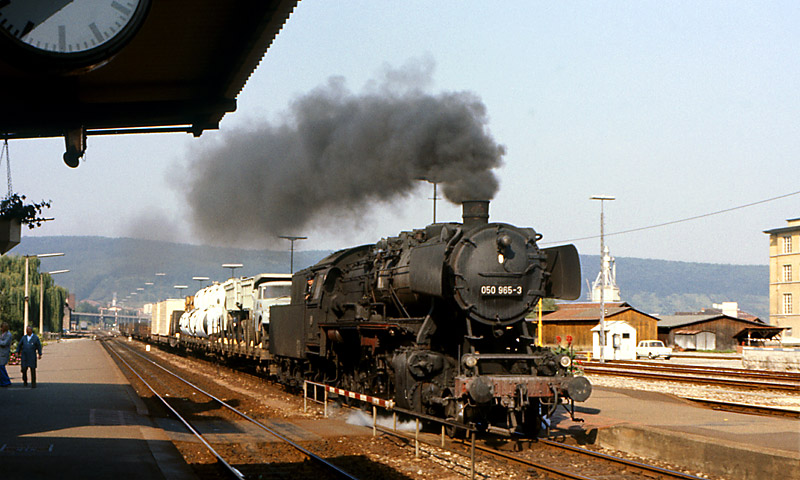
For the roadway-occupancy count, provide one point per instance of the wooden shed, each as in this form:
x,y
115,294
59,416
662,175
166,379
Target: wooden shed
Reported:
x,y
578,319
703,332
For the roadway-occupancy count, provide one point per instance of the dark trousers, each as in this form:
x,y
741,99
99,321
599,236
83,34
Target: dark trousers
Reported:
x,y
25,376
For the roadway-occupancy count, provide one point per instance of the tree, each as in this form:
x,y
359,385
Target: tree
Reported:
x,y
87,307
12,295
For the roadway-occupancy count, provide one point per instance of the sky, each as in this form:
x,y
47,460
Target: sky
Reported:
x,y
677,109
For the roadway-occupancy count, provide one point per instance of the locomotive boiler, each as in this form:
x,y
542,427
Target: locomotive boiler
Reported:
x,y
435,320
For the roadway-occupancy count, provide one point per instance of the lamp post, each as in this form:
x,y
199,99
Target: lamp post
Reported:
x,y
232,266
179,288
434,198
200,280
41,297
161,275
27,294
602,199
292,239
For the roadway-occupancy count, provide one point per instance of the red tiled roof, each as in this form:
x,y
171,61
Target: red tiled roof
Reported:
x,y
586,311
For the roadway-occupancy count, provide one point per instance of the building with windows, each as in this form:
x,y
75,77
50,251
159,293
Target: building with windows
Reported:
x,y
784,277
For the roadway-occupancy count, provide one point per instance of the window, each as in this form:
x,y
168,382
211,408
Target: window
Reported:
x,y
787,244
787,273
787,303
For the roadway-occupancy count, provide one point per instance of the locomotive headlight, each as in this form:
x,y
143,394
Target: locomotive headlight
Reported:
x,y
504,241
470,361
565,361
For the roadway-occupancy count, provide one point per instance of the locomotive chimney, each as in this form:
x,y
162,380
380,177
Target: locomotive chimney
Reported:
x,y
475,212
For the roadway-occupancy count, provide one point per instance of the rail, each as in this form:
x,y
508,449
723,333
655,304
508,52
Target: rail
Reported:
x,y
316,458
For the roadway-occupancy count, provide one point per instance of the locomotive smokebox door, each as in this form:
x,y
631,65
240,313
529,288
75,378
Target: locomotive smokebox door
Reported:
x,y
564,273
498,273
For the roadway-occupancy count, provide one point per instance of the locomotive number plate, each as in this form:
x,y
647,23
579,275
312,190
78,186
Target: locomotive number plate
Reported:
x,y
501,290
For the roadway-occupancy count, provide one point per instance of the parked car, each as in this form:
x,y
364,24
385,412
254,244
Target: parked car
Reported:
x,y
653,349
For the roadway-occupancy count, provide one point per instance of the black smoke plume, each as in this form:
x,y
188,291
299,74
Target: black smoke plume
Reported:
x,y
337,152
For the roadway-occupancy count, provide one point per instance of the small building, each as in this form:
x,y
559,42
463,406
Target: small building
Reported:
x,y
620,341
704,332
578,319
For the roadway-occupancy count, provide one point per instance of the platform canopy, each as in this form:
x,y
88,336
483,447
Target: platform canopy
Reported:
x,y
181,71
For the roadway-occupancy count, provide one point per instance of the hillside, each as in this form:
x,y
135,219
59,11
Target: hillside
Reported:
x,y
665,287
100,266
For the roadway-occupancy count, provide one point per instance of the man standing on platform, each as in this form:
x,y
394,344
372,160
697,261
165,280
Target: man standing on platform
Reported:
x,y
28,346
5,353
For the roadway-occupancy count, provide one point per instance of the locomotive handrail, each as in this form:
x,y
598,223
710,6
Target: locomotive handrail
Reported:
x,y
387,404
501,356
501,274
469,428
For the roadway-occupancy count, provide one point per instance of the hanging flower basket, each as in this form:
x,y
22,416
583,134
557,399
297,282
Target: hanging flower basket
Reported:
x,y
13,213
10,229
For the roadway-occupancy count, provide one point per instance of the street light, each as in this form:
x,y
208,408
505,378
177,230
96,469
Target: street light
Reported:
x,y
434,198
27,295
292,239
179,288
232,266
602,199
41,297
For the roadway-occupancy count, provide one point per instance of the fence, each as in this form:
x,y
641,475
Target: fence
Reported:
x,y
387,405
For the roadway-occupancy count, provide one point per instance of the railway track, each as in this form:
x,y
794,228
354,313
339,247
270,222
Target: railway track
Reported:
x,y
731,377
745,408
545,458
765,375
145,369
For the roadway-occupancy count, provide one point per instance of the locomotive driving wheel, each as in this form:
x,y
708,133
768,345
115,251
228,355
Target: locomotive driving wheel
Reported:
x,y
454,412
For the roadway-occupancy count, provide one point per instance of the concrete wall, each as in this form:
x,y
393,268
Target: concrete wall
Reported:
x,y
778,359
720,457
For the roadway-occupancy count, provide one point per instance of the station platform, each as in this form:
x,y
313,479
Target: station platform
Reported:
x,y
82,421
659,426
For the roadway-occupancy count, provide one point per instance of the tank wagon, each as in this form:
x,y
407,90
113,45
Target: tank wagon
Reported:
x,y
435,320
225,319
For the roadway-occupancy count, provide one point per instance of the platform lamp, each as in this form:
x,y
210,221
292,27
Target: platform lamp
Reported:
x,y
233,267
201,280
292,239
602,199
41,296
161,275
27,295
179,288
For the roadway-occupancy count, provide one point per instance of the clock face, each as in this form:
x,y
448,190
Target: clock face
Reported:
x,y
70,32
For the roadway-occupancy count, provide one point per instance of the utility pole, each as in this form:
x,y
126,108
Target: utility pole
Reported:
x,y
602,199
435,198
292,239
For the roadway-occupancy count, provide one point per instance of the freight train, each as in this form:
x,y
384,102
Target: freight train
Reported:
x,y
433,319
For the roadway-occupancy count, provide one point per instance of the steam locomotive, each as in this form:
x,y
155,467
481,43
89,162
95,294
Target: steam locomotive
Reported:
x,y
435,320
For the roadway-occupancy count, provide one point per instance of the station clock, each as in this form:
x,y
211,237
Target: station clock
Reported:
x,y
68,36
